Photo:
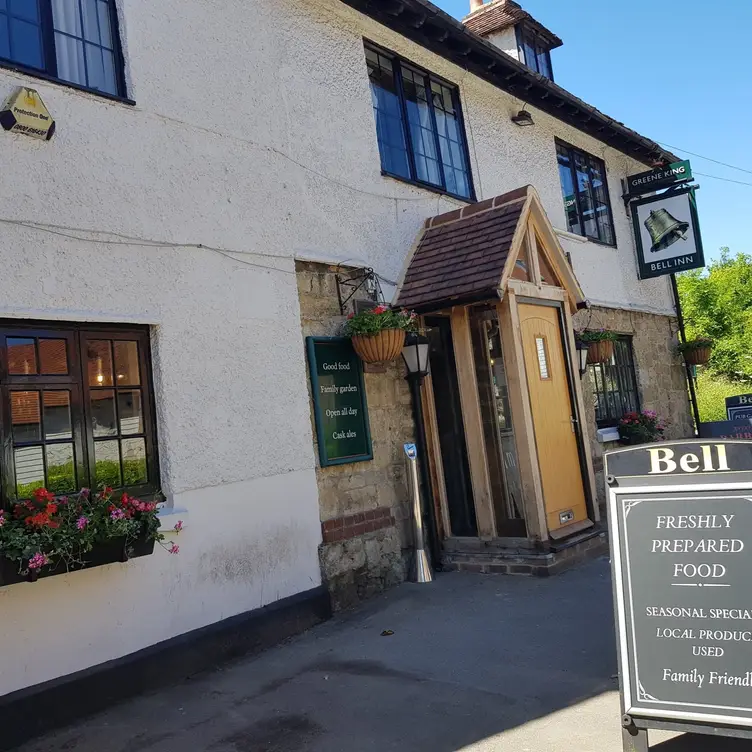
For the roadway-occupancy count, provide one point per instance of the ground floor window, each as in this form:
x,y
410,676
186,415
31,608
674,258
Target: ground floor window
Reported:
x,y
615,385
77,409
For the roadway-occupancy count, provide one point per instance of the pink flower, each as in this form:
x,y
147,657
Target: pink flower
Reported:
x,y
85,493
38,561
350,315
117,514
173,549
379,309
178,526
82,522
2,517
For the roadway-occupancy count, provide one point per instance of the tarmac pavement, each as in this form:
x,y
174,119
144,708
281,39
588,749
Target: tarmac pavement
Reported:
x,y
479,663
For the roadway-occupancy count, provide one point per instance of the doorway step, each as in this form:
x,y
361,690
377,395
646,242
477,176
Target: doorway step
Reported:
x,y
521,556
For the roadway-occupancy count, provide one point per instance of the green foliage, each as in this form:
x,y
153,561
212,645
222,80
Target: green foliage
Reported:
x,y
60,478
712,390
597,335
378,319
717,303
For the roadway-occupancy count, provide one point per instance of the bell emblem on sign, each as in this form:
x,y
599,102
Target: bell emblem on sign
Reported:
x,y
664,229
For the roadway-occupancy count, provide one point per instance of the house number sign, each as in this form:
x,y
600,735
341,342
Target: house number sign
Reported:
x,y
680,524
339,401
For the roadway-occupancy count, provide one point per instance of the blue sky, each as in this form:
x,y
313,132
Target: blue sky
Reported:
x,y
677,71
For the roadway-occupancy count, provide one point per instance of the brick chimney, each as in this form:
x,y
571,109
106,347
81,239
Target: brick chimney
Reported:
x,y
475,5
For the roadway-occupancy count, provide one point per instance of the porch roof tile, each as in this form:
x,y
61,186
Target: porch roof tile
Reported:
x,y
461,255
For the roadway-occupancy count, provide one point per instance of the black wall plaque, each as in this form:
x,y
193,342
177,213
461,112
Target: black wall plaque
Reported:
x,y
680,524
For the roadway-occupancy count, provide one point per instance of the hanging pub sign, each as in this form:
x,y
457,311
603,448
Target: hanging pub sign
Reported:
x,y
661,177
667,234
24,112
680,527
339,401
739,407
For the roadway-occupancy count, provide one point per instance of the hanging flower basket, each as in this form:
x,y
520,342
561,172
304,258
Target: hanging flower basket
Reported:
x,y
378,335
600,344
600,352
382,347
697,352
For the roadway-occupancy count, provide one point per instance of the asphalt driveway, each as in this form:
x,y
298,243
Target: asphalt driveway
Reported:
x,y
484,663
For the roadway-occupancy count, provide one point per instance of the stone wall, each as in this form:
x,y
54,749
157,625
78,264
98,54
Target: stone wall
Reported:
x,y
660,371
364,505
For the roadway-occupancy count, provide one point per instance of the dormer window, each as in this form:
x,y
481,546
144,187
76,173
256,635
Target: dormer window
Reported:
x,y
534,51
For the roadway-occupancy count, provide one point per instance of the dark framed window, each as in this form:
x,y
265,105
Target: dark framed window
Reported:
x,y
584,187
77,410
75,41
534,51
615,385
418,125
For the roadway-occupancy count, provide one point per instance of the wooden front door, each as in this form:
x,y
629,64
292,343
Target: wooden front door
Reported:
x,y
553,416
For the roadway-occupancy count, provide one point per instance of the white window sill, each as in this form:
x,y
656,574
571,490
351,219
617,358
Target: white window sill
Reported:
x,y
605,435
571,236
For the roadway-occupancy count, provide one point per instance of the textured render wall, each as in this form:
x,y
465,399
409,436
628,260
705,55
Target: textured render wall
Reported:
x,y
660,370
363,506
253,134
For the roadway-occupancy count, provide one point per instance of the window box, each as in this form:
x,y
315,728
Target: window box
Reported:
x,y
107,552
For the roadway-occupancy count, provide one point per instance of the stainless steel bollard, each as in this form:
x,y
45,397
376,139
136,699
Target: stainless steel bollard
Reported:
x,y
422,571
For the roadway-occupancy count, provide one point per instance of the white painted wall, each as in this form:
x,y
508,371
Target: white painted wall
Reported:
x,y
253,134
506,41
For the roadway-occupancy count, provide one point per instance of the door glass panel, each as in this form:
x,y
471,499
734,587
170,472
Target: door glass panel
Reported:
x,y
22,356
107,464
53,357
99,358
25,416
129,411
29,463
498,432
540,346
126,363
57,415
134,461
103,412
61,472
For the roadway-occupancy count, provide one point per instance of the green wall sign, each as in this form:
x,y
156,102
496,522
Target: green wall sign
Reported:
x,y
339,401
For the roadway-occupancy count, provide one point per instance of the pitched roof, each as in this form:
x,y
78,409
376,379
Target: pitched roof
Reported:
x,y
425,24
461,255
501,14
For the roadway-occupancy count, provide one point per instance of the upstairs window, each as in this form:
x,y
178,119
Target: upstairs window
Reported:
x,y
77,410
75,41
615,385
534,51
418,125
585,191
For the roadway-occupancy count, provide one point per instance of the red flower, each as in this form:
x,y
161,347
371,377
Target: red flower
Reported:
x,y
350,315
380,309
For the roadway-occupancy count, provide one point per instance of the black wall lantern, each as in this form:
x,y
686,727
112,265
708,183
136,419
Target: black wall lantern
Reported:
x,y
582,353
416,357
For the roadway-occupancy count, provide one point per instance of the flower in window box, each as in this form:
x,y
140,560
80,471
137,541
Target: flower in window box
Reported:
x,y
641,428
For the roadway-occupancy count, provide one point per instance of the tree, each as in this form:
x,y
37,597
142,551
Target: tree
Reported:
x,y
717,303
